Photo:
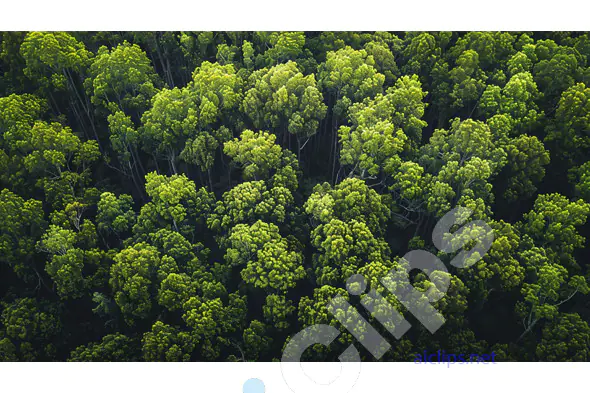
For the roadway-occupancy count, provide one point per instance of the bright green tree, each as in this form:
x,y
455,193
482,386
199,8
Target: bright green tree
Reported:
x,y
122,79
283,99
134,278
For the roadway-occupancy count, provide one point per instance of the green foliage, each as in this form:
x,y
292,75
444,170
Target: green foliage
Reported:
x,y
219,91
581,178
19,112
553,223
566,339
283,99
136,273
249,202
568,131
112,348
350,200
21,225
121,79
526,161
517,99
283,45
257,153
462,161
171,120
115,214
175,204
256,341
123,135
205,196
342,248
29,327
50,57
167,343
269,260
349,76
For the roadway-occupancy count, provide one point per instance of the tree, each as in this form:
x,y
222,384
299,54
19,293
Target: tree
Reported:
x,y
462,162
567,131
494,48
66,271
350,200
314,310
177,246
384,60
57,158
175,204
21,226
115,213
349,73
249,202
342,248
165,50
370,147
552,224
169,123
19,112
57,61
201,150
580,176
175,290
266,258
13,78
468,81
256,152
125,140
134,278
219,90
256,341
525,168
284,45
553,287
420,53
112,348
283,99
122,79
517,99
556,68
500,269
214,320
167,343
275,267
261,158
52,57
347,76
277,310
565,339
518,63
187,115
29,327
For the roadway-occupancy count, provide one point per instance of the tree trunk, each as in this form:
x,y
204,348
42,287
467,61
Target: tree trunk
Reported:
x,y
156,163
171,159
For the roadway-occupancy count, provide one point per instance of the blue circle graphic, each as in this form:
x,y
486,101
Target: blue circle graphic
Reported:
x,y
253,385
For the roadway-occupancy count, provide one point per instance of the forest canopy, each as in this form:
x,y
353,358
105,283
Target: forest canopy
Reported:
x,y
202,196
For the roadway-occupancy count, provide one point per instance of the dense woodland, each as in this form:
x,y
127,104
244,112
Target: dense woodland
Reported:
x,y
201,196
